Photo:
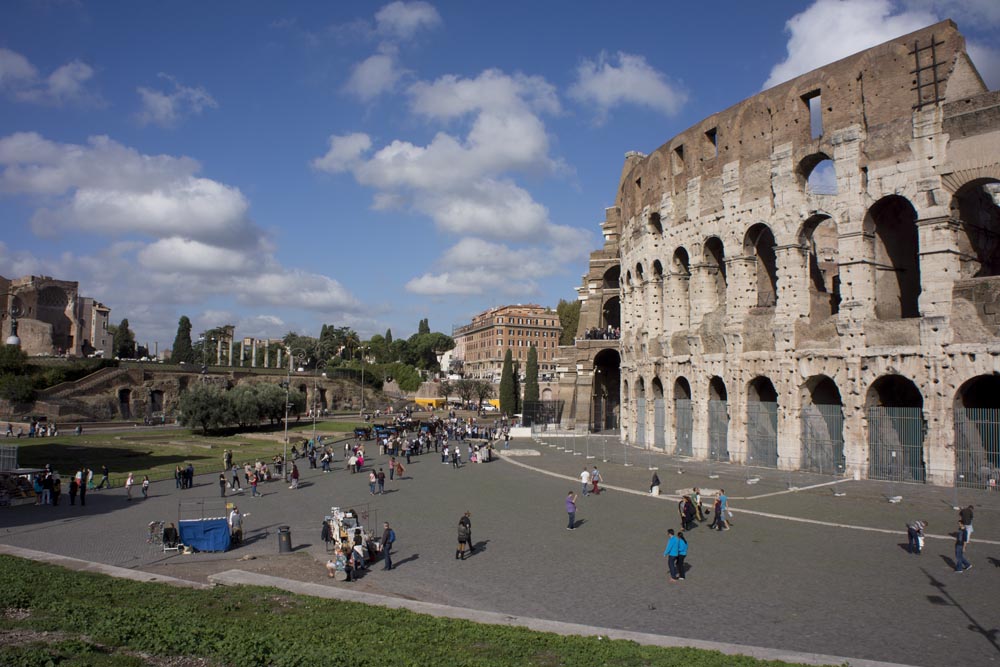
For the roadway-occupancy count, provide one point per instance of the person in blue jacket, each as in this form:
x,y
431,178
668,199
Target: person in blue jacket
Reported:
x,y
682,552
671,552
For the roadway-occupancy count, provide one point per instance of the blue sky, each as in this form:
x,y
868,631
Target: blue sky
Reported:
x,y
279,166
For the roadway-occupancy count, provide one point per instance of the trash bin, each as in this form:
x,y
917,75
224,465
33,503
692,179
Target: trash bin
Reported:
x,y
284,539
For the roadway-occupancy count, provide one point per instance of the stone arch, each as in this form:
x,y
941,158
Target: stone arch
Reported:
x,y
977,433
612,277
155,400
547,394
817,174
895,430
611,313
680,269
822,426
640,411
976,205
718,419
714,259
892,221
819,236
659,413
606,396
759,243
762,423
683,417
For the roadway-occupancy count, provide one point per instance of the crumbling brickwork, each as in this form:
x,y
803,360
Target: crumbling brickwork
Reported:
x,y
814,273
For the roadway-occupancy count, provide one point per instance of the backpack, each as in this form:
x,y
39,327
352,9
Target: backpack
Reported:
x,y
392,536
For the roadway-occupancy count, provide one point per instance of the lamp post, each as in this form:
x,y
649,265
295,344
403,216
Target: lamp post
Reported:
x,y
363,350
15,312
315,401
293,357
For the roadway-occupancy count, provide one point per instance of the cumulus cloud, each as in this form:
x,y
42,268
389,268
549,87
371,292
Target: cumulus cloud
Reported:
x,y
67,84
373,76
829,30
166,107
344,154
188,237
624,78
403,20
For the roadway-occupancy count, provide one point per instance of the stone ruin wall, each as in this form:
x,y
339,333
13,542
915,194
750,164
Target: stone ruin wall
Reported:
x,y
735,266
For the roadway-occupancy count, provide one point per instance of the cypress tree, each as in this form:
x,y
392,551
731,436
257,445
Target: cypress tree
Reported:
x,y
182,350
531,376
388,337
508,397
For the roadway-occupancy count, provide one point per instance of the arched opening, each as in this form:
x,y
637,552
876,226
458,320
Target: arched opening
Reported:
x,y
818,174
611,319
659,415
893,222
640,413
819,236
125,403
977,206
612,277
657,316
762,423
895,430
681,298
155,401
655,225
822,426
607,381
683,417
718,420
977,433
759,243
715,264
546,394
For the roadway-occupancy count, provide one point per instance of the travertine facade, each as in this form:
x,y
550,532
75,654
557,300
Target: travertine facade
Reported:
x,y
811,278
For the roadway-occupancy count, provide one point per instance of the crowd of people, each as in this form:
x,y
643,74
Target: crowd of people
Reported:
x,y
597,333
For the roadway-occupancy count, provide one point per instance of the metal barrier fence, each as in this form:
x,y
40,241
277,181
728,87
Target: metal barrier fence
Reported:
x,y
640,422
659,423
823,439
977,447
896,444
718,430
762,433
684,426
8,457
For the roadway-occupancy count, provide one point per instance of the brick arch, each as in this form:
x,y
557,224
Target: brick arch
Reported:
x,y
954,181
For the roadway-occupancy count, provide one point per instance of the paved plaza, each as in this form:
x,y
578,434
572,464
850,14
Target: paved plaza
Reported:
x,y
821,569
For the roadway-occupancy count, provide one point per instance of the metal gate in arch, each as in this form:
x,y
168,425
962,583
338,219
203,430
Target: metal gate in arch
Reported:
x,y
684,418
659,423
762,434
718,430
823,439
977,448
896,444
640,422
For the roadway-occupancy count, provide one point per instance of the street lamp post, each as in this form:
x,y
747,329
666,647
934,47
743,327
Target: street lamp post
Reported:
x,y
363,350
315,401
15,312
292,357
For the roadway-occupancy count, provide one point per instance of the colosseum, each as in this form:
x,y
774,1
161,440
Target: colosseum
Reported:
x,y
810,279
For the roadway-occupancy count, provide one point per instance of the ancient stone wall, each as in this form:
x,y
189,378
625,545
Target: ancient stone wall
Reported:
x,y
813,274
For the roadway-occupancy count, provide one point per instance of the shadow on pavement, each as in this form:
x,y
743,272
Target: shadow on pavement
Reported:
x,y
408,559
974,625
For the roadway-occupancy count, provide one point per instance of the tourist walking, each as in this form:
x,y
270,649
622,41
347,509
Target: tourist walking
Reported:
x,y
716,515
965,514
372,481
381,481
129,481
254,480
74,486
571,510
145,487
595,479
585,481
682,552
222,484
388,539
961,543
235,483
671,552
392,467
104,477
724,509
464,535
86,475
915,536
654,485
295,477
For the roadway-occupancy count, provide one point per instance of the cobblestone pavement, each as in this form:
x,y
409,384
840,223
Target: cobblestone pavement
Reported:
x,y
770,581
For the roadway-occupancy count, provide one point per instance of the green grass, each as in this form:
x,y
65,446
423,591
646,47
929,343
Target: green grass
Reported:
x,y
250,626
156,452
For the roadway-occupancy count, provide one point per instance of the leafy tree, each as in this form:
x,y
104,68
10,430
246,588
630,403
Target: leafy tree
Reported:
x,y
531,376
17,388
13,360
569,319
445,388
484,390
466,390
245,405
508,397
204,405
182,350
271,401
424,327
124,341
422,350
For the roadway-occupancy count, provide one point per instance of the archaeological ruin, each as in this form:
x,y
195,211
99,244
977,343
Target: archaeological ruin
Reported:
x,y
810,279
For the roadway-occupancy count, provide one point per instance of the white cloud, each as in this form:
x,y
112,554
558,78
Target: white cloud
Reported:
x,y
180,255
15,70
373,76
829,30
165,108
968,13
344,154
495,209
605,85
67,84
403,20
451,96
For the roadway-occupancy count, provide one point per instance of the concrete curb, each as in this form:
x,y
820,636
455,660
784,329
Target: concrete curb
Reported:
x,y
241,578
100,568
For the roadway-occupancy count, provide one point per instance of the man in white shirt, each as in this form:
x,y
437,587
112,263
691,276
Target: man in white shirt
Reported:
x,y
236,525
585,480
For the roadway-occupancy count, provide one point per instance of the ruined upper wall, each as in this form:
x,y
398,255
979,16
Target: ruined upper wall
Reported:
x,y
867,90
